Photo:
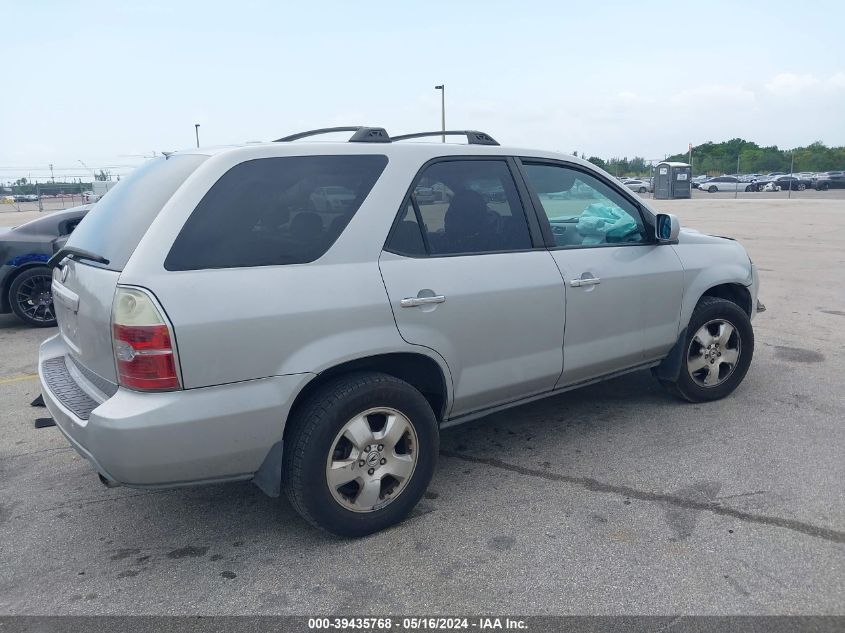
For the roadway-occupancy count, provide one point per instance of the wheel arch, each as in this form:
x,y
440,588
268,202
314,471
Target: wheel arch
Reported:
x,y
419,370
422,371
734,292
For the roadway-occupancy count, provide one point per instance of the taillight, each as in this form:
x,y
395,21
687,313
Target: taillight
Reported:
x,y
143,348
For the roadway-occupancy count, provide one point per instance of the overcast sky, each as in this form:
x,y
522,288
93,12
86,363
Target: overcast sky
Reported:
x,y
107,82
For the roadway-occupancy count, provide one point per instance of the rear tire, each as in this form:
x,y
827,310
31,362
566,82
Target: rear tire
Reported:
x,y
749,189
641,190
719,332
349,428
31,298
823,187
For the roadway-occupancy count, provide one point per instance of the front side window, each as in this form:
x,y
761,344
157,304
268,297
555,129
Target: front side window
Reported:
x,y
582,210
461,206
273,211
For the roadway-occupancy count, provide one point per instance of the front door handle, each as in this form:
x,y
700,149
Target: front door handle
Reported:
x,y
414,302
584,281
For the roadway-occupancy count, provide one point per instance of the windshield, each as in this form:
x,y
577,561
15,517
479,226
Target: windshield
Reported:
x,y
116,224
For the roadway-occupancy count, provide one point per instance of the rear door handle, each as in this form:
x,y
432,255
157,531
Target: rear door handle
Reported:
x,y
585,281
414,302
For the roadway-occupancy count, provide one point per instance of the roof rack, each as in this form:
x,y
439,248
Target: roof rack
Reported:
x,y
474,137
362,134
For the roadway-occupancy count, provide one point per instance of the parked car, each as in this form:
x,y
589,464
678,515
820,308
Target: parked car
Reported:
x,y
24,276
697,180
425,195
829,180
791,182
726,183
640,186
29,197
332,198
234,332
761,181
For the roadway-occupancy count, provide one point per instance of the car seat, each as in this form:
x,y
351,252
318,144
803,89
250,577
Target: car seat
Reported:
x,y
466,224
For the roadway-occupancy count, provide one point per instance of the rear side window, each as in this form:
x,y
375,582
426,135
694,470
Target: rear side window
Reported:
x,y
273,211
461,207
116,224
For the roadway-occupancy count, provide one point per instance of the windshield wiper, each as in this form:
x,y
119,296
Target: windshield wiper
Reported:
x,y
77,253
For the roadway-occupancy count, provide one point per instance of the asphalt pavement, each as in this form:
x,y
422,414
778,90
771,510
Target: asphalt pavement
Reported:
x,y
613,499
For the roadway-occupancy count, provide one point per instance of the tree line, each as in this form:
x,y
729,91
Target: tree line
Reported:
x,y
715,159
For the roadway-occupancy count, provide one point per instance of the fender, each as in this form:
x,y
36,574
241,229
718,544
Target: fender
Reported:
x,y
29,258
698,285
699,255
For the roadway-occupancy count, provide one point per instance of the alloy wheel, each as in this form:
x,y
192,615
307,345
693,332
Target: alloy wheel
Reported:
x,y
713,353
372,459
35,298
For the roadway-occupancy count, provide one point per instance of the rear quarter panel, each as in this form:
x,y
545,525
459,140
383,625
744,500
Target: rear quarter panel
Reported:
x,y
241,324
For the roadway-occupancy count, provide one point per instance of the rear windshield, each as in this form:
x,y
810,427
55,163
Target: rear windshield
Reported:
x,y
117,223
273,211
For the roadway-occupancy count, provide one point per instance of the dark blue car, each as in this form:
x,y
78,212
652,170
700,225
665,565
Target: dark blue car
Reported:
x,y
24,276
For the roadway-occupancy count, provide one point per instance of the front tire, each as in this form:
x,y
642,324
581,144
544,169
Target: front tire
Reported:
x,y
802,187
718,349
31,298
641,190
360,453
749,189
712,189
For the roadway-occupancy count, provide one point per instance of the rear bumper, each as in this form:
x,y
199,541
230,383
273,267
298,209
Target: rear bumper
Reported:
x,y
169,439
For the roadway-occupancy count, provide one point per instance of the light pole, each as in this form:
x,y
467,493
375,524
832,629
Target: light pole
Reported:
x,y
442,89
736,190
197,132
791,171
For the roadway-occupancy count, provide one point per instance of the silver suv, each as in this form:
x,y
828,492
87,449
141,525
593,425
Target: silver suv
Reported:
x,y
308,316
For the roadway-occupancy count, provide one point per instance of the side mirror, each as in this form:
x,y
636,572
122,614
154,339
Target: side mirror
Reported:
x,y
668,227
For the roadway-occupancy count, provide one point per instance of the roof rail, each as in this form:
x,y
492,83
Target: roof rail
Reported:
x,y
362,134
474,137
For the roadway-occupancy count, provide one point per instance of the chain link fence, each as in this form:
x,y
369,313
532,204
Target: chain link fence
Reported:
x,y
44,197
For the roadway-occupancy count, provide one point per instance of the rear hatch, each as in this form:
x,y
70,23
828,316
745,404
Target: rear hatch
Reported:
x,y
84,289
